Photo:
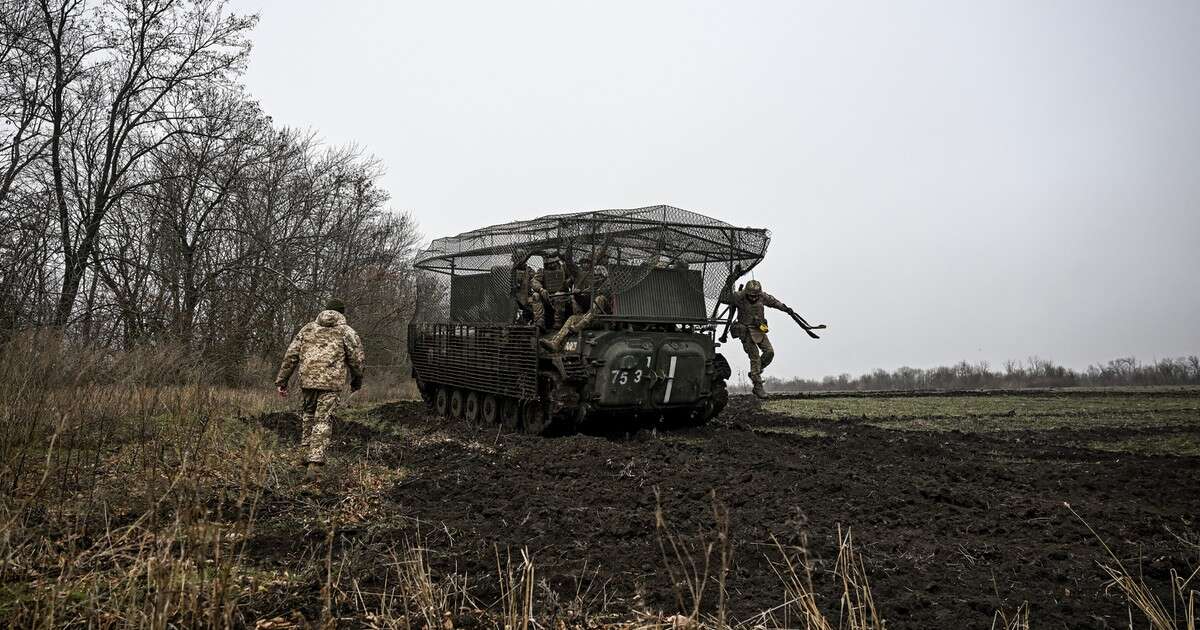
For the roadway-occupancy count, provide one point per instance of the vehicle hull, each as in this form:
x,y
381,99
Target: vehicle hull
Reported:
x,y
666,372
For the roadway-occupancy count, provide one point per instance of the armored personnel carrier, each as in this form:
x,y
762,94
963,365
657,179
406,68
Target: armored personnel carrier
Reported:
x,y
650,354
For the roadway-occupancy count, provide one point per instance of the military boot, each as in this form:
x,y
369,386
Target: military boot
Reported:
x,y
759,391
555,343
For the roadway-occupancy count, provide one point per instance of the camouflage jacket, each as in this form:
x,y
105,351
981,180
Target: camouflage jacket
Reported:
x,y
526,283
752,314
327,351
552,280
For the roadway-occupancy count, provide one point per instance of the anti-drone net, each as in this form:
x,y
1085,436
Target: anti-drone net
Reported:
x,y
660,263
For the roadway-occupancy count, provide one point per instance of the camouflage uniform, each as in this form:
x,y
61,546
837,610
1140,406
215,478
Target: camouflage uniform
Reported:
x,y
315,428
584,314
751,326
327,351
554,280
531,295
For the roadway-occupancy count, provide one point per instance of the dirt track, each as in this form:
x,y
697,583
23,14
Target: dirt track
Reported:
x,y
952,526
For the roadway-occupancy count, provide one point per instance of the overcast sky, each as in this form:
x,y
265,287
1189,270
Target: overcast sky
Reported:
x,y
943,180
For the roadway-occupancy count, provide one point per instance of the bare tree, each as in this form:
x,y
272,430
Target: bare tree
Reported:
x,y
200,175
113,97
24,81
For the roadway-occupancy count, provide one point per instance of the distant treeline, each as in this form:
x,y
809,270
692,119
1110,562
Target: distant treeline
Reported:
x,y
1034,372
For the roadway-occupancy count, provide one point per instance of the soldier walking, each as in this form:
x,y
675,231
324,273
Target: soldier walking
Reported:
x,y
751,326
327,351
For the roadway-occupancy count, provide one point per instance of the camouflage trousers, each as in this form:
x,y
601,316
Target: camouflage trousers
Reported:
x,y
560,304
582,319
752,343
316,423
533,303
539,311
578,322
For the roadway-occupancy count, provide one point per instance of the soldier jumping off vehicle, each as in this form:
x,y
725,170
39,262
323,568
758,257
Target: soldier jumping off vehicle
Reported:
x,y
327,351
751,325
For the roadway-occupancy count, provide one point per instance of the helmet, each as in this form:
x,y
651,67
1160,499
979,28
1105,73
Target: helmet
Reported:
x,y
754,289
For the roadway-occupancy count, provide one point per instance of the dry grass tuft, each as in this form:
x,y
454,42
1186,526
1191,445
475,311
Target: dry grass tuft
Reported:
x,y
1184,591
856,605
689,562
1018,621
516,590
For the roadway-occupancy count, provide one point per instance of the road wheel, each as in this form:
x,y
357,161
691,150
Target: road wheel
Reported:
x,y
721,369
456,404
428,392
489,410
510,414
716,401
441,401
535,417
471,407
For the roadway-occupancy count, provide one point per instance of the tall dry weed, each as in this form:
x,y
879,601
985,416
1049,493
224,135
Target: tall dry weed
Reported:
x,y
801,608
1185,591
128,487
689,562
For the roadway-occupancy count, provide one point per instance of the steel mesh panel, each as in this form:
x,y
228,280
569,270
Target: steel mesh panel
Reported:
x,y
481,297
632,244
499,360
664,294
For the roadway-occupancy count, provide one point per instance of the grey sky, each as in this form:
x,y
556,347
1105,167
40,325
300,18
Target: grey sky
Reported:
x,y
944,180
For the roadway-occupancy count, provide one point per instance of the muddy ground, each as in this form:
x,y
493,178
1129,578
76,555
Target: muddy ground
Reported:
x,y
952,526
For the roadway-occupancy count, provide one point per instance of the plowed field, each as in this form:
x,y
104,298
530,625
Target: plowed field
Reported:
x,y
956,502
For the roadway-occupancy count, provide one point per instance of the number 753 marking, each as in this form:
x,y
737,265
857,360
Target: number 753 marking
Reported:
x,y
621,377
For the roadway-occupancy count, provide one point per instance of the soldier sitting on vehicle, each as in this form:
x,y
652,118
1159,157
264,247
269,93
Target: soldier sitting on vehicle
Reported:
x,y
531,296
579,274
595,292
556,286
